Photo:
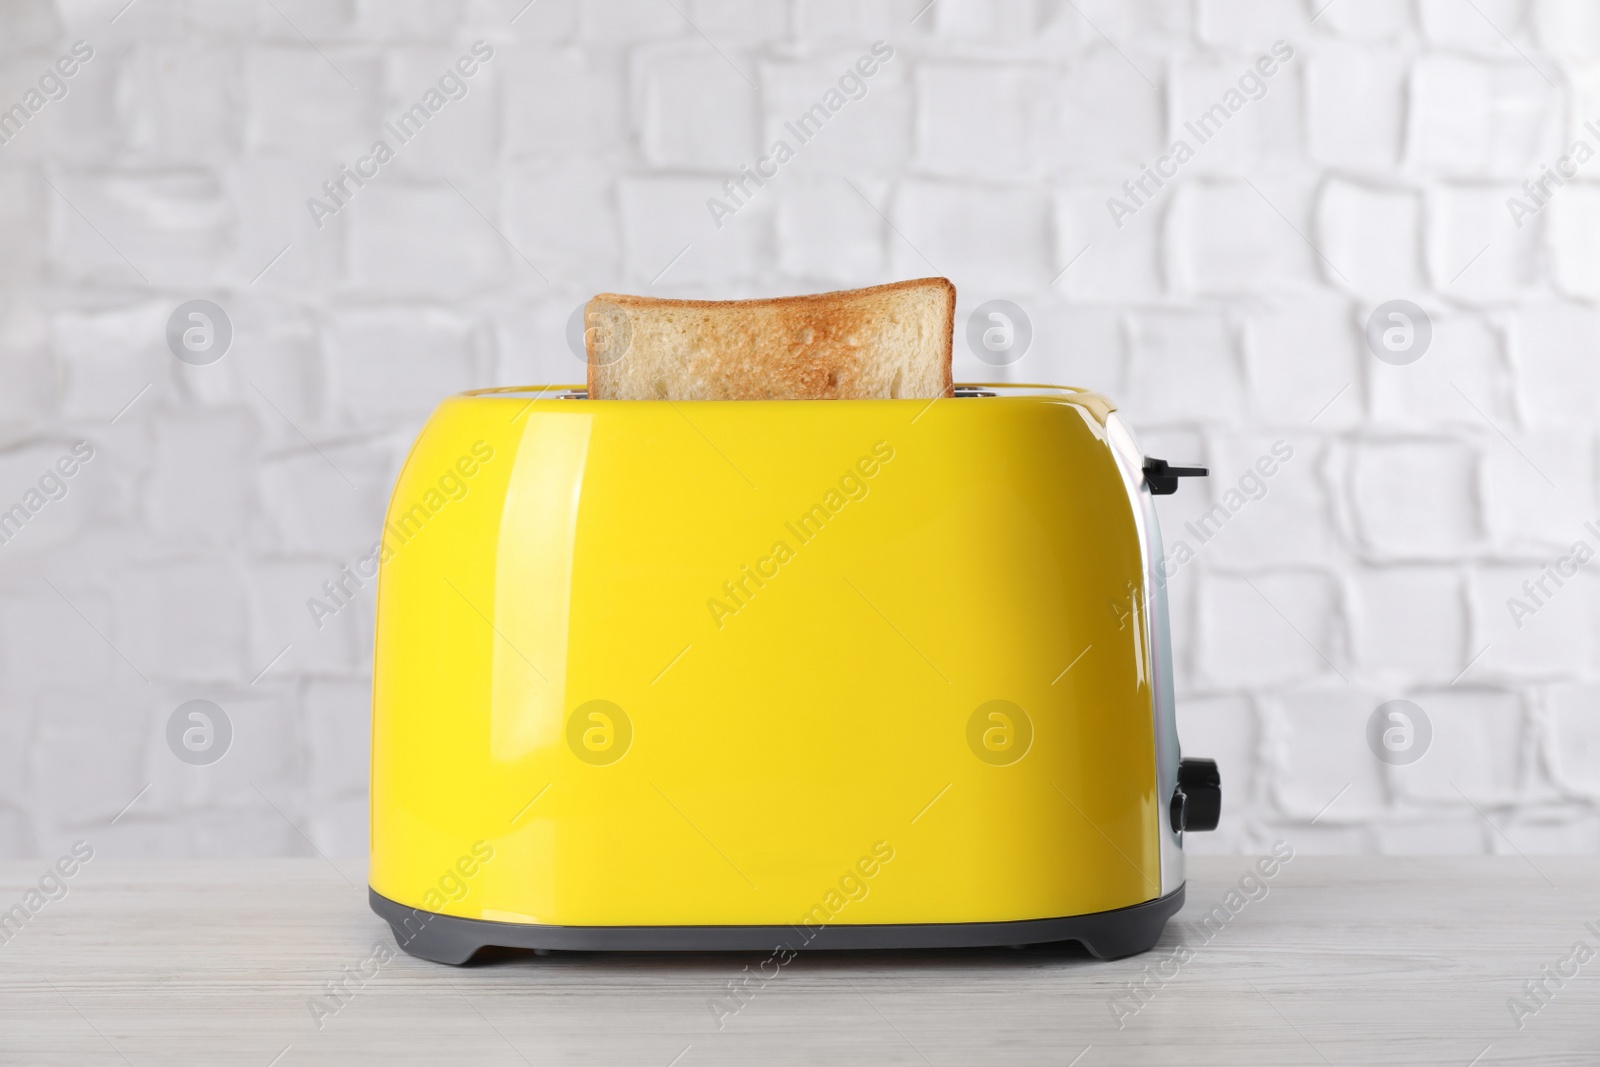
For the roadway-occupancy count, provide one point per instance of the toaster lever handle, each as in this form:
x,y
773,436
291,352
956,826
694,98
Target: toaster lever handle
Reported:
x,y
1162,478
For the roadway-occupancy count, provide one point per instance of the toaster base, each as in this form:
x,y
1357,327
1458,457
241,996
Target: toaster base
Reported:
x,y
451,939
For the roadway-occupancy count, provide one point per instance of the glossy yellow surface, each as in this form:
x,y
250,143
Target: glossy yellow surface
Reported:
x,y
806,741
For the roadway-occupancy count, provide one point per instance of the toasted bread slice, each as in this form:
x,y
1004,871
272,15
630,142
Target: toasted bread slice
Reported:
x,y
886,342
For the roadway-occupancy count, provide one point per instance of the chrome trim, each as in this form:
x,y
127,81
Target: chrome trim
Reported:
x,y
1158,633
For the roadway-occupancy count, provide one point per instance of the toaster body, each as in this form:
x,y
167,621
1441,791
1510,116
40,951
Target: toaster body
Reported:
x,y
758,675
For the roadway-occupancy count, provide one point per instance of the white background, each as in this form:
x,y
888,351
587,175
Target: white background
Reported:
x,y
1224,316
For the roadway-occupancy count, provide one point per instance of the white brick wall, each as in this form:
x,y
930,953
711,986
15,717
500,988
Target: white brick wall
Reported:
x,y
1227,314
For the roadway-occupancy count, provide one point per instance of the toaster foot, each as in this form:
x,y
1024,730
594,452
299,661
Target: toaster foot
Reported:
x,y
1108,935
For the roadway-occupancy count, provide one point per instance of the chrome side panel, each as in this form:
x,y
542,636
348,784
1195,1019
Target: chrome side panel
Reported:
x,y
1158,632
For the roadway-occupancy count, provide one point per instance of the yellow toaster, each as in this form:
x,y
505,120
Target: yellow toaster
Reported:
x,y
777,675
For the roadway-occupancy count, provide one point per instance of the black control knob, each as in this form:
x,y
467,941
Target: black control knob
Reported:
x,y
1197,802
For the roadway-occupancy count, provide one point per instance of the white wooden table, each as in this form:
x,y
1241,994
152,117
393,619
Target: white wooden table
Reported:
x,y
1345,961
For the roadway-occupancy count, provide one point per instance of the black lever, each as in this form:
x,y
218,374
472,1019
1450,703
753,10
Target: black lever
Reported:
x,y
1163,479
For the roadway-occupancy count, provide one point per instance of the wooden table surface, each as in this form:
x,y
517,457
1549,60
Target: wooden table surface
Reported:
x,y
1343,961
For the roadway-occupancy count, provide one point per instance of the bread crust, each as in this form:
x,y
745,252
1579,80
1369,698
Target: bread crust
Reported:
x,y
883,341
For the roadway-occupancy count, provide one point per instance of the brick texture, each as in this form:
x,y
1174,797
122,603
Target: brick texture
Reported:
x,y
1423,503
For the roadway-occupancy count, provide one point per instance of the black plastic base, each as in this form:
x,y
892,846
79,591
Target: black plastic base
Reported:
x,y
1108,935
